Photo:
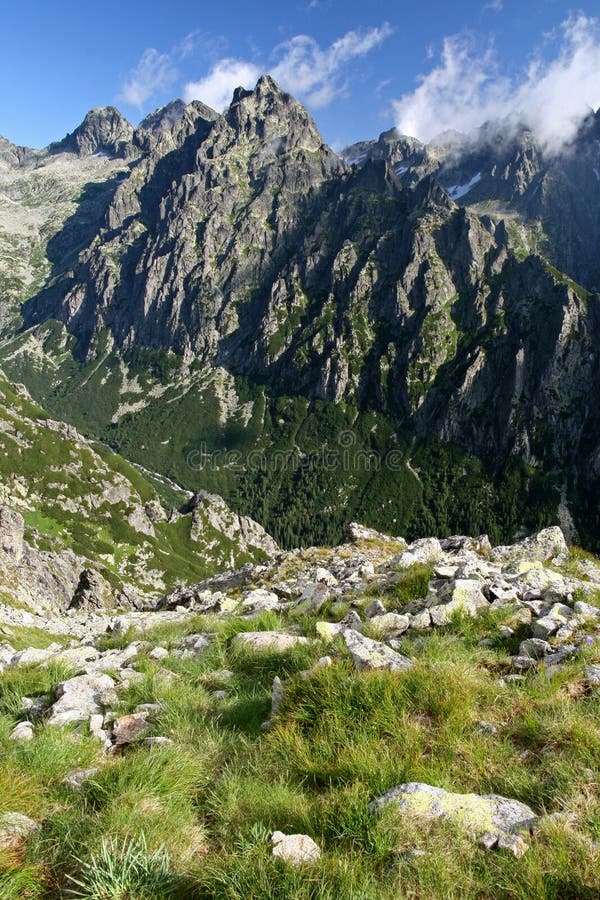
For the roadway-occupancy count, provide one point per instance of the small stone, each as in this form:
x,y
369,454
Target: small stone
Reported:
x,y
523,663
421,621
22,732
77,779
295,849
158,653
592,674
158,741
130,728
14,827
488,840
505,631
329,631
352,620
534,648
513,843
148,708
375,608
220,695
486,728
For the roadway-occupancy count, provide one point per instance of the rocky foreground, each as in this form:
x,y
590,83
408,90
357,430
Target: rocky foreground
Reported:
x,y
528,614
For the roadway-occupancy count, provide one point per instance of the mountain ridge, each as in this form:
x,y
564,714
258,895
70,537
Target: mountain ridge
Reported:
x,y
240,243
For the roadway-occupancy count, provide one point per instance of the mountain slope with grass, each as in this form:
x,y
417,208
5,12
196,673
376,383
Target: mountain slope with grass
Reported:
x,y
70,505
374,720
387,336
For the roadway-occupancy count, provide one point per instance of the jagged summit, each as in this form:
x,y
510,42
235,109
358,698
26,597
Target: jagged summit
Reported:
x,y
103,130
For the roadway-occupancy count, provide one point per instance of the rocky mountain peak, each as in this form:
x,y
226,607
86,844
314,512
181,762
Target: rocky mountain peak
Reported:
x,y
103,130
269,113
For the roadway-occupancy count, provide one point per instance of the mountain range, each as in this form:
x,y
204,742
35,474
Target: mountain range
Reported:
x,y
399,333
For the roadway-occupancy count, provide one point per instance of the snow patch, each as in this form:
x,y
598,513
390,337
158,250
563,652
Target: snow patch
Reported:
x,y
459,190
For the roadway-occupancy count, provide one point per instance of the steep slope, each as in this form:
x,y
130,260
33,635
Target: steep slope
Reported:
x,y
551,199
320,341
80,505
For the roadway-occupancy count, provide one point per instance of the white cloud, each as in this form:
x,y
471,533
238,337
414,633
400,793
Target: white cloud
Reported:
x,y
494,6
467,88
154,73
300,65
216,88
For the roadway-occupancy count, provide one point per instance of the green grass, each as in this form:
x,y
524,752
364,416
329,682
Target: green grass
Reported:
x,y
199,813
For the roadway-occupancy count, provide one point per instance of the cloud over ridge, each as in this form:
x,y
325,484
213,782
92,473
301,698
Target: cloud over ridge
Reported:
x,y
300,65
467,88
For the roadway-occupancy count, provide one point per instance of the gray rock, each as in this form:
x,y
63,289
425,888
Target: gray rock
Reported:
x,y
268,641
75,781
534,648
368,654
375,608
544,627
80,697
390,624
12,530
592,674
22,732
259,600
478,815
14,828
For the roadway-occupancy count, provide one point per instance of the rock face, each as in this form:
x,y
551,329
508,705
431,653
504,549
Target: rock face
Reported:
x,y
246,247
92,592
104,130
12,529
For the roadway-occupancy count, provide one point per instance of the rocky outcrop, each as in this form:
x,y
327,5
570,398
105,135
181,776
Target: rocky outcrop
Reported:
x,y
12,529
104,130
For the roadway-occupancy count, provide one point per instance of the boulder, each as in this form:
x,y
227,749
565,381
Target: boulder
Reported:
x,y
545,545
128,729
477,815
369,654
80,697
278,641
92,592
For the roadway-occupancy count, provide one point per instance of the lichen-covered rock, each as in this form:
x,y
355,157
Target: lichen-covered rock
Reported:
x,y
475,814
390,623
425,550
14,828
545,545
368,654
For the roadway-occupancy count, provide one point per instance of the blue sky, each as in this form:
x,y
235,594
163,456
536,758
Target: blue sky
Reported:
x,y
356,65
